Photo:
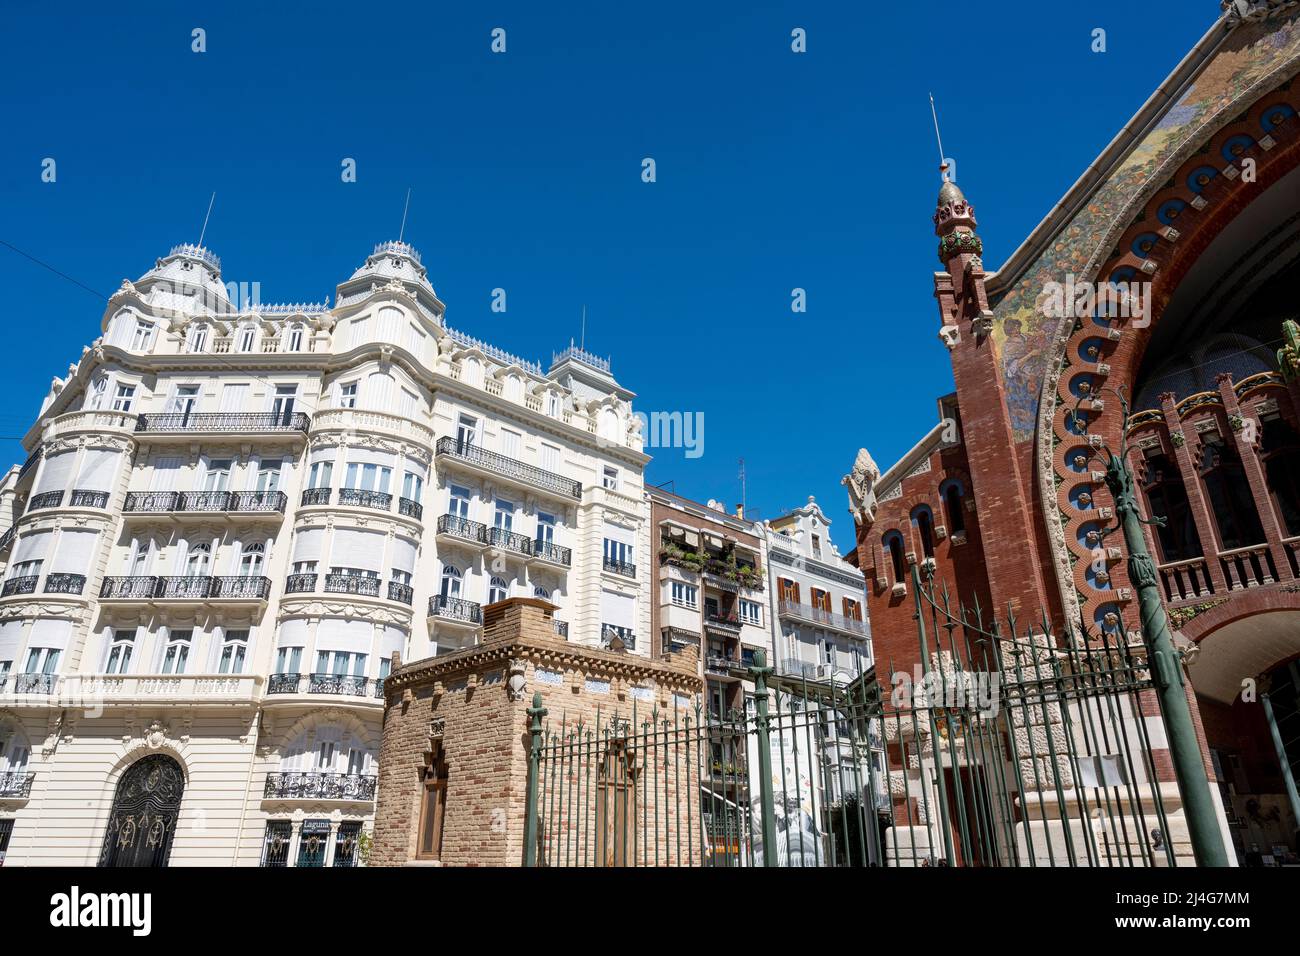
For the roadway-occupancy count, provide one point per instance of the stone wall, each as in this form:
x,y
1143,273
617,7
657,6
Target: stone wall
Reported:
x,y
471,707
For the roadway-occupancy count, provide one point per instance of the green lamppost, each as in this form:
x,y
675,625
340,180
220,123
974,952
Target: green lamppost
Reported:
x,y
1165,662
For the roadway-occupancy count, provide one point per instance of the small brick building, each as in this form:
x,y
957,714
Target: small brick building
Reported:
x,y
454,760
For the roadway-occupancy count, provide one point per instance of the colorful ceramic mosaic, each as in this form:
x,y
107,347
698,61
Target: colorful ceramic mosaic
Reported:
x,y
1023,331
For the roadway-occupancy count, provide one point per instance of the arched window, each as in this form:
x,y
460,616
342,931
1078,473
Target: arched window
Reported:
x,y
924,522
498,590
541,592
1167,498
247,334
1280,451
296,333
952,493
1230,497
198,341
196,561
893,544
250,560
451,578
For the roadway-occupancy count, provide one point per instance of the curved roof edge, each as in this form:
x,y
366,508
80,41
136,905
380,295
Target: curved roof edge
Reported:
x,y
1150,113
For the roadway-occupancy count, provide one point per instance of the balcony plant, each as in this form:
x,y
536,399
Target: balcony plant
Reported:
x,y
675,554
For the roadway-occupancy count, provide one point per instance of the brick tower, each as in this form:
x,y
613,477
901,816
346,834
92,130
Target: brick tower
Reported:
x,y
999,475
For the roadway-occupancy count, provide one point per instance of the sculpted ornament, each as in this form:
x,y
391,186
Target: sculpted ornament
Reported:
x,y
517,685
860,483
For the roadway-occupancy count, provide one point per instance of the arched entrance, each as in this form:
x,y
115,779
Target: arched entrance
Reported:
x,y
145,808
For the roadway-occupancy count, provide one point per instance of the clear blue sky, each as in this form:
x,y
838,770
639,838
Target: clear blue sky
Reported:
x,y
775,171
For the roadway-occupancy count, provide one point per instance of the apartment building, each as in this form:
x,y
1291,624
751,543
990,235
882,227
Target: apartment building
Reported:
x,y
231,518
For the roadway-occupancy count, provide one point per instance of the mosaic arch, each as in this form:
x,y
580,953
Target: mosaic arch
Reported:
x,y
1116,235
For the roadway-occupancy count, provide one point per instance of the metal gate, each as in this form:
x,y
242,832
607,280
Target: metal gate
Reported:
x,y
143,819
1008,745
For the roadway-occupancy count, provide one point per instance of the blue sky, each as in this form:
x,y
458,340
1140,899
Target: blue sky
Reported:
x,y
775,170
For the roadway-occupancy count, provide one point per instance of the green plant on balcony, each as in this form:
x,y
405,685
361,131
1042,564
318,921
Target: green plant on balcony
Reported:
x,y
672,553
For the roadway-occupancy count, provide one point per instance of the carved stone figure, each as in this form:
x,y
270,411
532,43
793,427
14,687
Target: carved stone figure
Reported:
x,y
860,483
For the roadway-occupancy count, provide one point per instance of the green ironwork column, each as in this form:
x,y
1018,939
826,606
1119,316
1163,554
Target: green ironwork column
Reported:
x,y
759,671
1167,673
1287,776
536,713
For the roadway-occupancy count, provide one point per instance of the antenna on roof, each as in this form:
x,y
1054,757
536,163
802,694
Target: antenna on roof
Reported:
x,y
943,160
742,485
204,231
402,232
584,329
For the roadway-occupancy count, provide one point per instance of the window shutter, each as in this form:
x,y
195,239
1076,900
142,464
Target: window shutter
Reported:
x,y
354,548
795,585
336,634
32,547
617,609
403,558
233,397
293,633
50,632
97,470
308,544
56,472
76,548
165,471
391,639
11,638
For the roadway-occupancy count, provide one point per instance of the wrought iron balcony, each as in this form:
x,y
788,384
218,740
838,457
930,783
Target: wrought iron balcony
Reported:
x,y
16,784
205,502
23,585
34,683
241,587
299,583
609,632
84,498
316,496
546,551
62,583
340,685
359,498
223,422
508,541
184,587
561,627
412,509
128,587
319,786
620,567
721,664
723,622
458,527
7,538
29,464
403,593
46,499
817,615
379,686
283,683
455,609
508,467
363,585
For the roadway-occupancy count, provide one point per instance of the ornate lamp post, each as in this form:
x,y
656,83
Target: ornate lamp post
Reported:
x,y
1166,664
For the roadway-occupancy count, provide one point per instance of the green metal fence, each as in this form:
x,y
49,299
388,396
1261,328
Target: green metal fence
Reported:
x,y
1007,745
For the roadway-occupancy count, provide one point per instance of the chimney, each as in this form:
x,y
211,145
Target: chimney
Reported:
x,y
740,511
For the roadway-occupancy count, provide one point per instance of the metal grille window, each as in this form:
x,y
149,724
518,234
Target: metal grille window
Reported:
x,y
345,844
6,831
275,845
313,841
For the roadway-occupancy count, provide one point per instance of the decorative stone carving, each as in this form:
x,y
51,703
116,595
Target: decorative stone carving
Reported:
x,y
517,684
860,483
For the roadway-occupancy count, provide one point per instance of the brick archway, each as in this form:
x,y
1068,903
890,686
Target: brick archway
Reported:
x,y
1241,638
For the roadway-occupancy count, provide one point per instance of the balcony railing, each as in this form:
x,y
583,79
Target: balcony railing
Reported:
x,y
46,499
402,593
34,683
723,621
204,502
336,685
561,627
84,498
316,496
547,551
23,585
7,538
16,784
360,498
508,541
620,567
455,609
363,585
412,509
463,528
509,467
225,422
195,587
817,615
299,583
242,587
60,582
319,786
721,664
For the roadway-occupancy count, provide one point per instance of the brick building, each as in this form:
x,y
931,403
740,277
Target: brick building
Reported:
x,y
1162,276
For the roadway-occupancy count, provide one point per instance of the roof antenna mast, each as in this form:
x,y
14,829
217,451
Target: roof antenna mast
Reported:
x,y
583,346
402,232
204,231
943,160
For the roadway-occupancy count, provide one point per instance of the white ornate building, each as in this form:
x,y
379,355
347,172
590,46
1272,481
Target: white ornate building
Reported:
x,y
234,515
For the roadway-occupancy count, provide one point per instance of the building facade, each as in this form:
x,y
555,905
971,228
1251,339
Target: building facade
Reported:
x,y
231,519
1142,313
